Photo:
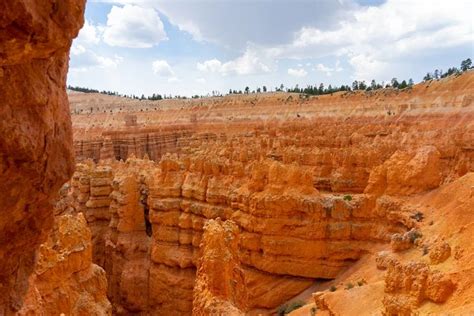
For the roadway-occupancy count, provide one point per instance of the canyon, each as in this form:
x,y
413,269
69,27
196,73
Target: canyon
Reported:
x,y
239,204
351,203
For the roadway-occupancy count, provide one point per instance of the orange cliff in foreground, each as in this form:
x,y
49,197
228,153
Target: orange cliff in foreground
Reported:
x,y
355,203
36,149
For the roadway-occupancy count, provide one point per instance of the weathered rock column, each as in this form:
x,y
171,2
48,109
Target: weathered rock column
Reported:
x,y
36,153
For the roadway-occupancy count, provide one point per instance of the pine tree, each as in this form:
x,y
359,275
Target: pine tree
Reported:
x,y
466,64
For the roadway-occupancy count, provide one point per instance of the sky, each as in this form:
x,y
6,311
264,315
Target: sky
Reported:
x,y
188,47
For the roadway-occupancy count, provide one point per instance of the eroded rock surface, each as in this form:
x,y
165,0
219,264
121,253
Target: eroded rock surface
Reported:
x,y
314,187
220,287
407,286
36,153
65,280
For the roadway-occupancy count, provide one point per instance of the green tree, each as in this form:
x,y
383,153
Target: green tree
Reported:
x,y
466,64
394,83
247,90
410,82
264,89
403,85
373,84
355,85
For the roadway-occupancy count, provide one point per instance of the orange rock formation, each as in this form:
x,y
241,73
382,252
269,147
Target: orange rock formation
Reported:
x,y
36,153
65,279
308,191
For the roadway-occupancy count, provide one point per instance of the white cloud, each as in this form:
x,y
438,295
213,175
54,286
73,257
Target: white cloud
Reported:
x,y
297,72
247,64
201,80
89,34
236,23
380,36
212,65
134,27
366,66
163,69
328,70
83,59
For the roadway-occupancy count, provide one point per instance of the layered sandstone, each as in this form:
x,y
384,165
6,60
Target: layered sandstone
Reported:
x,y
433,276
305,192
36,153
220,281
287,234
65,280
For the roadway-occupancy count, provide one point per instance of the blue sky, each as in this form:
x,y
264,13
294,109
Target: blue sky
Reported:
x,y
189,47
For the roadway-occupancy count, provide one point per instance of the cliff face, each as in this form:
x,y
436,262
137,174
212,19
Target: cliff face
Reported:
x,y
284,236
280,194
36,153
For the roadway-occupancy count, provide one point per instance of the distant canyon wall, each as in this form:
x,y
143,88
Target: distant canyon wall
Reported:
x,y
340,137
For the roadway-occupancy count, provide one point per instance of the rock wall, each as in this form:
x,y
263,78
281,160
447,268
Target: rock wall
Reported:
x,y
36,153
289,234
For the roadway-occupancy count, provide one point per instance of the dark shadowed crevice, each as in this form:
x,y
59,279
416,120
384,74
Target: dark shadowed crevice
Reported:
x,y
146,210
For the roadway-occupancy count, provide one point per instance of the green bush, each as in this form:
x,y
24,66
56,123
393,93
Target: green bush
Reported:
x,y
349,286
332,288
347,197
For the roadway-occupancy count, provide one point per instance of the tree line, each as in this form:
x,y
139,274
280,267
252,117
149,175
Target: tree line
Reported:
x,y
357,85
466,64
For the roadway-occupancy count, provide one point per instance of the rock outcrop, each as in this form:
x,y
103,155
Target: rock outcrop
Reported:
x,y
220,287
65,280
36,153
407,286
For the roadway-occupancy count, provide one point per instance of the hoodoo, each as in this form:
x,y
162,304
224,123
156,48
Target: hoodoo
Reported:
x,y
303,203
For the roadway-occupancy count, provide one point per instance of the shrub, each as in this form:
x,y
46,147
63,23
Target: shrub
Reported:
x,y
347,197
349,286
418,216
332,288
414,235
288,308
313,311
